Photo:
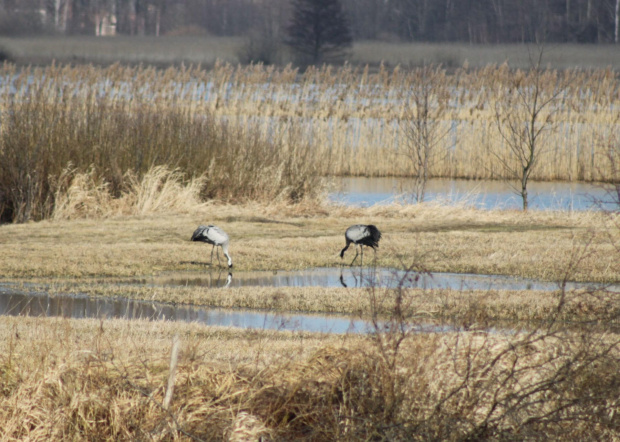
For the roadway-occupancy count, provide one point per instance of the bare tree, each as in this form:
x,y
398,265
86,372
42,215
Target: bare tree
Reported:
x,y
319,30
524,115
424,124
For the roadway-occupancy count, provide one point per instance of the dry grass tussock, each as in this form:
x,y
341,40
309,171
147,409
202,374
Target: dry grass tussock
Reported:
x,y
84,380
160,190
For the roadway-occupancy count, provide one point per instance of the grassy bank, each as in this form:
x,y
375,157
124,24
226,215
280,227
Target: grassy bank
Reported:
x,y
96,257
167,50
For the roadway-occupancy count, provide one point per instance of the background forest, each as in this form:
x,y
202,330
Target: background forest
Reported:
x,y
471,21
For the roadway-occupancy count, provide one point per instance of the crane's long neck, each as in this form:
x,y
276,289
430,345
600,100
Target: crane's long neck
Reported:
x,y
225,249
345,249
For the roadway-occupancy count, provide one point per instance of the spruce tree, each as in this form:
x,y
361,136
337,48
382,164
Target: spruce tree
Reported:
x,y
318,31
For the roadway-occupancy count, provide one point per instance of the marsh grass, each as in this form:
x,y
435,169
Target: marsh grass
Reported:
x,y
264,132
57,144
261,133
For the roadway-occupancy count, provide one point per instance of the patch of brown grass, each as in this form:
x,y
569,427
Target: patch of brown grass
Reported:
x,y
76,379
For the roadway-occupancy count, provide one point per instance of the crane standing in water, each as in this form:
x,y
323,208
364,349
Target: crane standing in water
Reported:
x,y
361,235
215,236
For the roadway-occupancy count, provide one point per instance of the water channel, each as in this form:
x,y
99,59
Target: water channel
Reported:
x,y
21,302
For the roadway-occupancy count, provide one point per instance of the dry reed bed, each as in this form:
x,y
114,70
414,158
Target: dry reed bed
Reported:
x,y
95,153
353,119
86,379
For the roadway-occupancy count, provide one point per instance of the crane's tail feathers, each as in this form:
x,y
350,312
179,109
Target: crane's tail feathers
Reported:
x,y
375,236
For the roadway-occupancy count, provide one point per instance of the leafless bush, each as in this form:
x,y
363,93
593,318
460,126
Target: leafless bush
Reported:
x,y
541,381
425,125
525,114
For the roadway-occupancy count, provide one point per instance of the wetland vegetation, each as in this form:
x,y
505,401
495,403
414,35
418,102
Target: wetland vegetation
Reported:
x,y
106,172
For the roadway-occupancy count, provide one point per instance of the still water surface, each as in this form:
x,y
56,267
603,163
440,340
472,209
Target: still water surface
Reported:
x,y
19,302
356,277
14,303
482,194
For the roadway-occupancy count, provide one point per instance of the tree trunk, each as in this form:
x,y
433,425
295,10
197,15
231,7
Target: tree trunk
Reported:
x,y
617,23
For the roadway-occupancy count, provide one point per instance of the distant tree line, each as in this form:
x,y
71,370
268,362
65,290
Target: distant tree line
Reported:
x,y
472,21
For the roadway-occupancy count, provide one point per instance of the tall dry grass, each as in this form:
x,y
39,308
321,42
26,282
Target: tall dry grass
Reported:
x,y
85,195
237,124
72,133
85,380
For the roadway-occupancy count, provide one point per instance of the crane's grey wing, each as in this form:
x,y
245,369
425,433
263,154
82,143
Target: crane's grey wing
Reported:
x,y
200,233
365,235
357,233
217,235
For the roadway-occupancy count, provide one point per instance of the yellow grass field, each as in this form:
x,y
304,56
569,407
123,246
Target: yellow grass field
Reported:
x,y
206,50
107,171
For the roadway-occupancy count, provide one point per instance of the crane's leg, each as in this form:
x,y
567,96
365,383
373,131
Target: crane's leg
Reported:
x,y
344,284
212,253
362,259
218,256
356,253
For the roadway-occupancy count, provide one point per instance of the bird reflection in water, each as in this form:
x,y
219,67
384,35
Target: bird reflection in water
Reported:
x,y
228,280
359,279
219,281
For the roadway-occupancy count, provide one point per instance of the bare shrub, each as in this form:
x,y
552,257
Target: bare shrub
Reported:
x,y
425,126
524,114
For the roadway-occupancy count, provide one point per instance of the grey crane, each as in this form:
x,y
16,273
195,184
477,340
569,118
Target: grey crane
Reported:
x,y
361,235
215,236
